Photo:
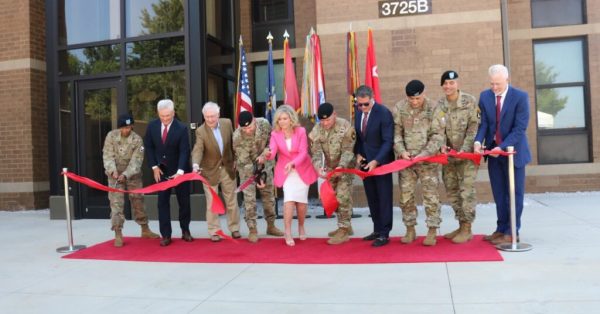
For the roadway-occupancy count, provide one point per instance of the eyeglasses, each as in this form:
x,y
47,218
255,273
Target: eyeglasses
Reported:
x,y
363,104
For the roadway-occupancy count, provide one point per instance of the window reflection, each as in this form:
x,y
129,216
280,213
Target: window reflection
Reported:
x,y
91,60
260,81
156,53
144,92
66,129
219,20
559,62
560,108
143,17
546,13
88,21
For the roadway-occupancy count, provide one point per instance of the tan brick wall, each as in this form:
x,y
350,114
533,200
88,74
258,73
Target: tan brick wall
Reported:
x,y
23,140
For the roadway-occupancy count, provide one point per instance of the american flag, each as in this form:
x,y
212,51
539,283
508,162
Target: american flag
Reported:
x,y
243,101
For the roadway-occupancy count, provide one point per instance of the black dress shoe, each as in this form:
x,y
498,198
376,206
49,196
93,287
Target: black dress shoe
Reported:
x,y
371,236
381,241
187,237
165,241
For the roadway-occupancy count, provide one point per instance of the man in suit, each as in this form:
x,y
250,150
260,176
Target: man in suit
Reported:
x,y
374,125
213,157
504,119
167,151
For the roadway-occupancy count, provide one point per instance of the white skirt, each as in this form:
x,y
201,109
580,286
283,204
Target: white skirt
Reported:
x,y
294,189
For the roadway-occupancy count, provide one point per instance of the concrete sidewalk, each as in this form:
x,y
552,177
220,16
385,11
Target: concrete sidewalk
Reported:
x,y
560,275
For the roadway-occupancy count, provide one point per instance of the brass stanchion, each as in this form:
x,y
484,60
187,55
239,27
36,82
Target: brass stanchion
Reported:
x,y
71,247
514,246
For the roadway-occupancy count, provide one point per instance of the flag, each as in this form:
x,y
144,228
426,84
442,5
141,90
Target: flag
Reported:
x,y
290,86
271,99
313,83
352,79
243,100
371,74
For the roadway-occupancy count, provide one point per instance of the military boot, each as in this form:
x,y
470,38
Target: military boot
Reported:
x,y
253,235
410,236
147,233
272,230
340,237
453,233
430,239
118,238
332,233
464,235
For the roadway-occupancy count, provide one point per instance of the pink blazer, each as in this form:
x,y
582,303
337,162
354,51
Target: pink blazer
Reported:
x,y
298,155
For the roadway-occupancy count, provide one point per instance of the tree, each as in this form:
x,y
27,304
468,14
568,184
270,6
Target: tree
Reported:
x,y
548,99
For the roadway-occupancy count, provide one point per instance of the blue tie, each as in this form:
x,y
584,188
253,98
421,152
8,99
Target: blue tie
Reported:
x,y
217,134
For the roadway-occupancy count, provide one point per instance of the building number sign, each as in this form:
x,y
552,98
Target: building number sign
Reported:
x,y
404,7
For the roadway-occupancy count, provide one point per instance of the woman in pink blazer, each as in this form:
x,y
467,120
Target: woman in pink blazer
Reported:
x,y
294,170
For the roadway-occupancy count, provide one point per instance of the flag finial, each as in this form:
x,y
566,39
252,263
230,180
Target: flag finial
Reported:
x,y
286,35
270,37
241,42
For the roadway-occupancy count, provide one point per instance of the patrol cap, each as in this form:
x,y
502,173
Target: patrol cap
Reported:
x,y
245,118
449,75
414,88
124,120
325,110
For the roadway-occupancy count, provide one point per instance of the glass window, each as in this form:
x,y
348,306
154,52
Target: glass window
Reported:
x,y
561,102
156,53
219,58
143,17
559,62
66,128
546,13
88,21
219,20
91,60
144,92
271,10
260,81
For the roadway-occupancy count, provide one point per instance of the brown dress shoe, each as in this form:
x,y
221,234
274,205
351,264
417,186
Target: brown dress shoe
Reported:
x,y
215,238
505,239
165,241
236,235
187,237
493,236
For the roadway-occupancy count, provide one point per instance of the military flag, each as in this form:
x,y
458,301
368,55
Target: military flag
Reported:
x,y
371,74
290,85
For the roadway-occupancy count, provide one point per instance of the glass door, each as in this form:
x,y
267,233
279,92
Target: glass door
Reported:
x,y
97,111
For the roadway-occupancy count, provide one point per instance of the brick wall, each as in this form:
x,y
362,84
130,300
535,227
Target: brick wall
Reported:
x,y
23,140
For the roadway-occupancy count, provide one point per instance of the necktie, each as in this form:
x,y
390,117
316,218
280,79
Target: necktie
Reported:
x,y
498,104
363,129
164,135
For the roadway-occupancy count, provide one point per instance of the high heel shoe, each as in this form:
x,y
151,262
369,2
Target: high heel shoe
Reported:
x,y
302,234
289,241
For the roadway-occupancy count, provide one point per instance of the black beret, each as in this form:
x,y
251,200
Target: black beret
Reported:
x,y
325,110
414,88
449,75
124,120
245,118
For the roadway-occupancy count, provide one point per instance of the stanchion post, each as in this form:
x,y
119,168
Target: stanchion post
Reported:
x,y
514,246
71,247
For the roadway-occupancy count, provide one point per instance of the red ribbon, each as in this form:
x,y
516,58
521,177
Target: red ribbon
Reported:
x,y
226,237
217,205
330,202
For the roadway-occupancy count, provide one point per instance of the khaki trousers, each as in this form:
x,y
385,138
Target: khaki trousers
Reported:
x,y
228,187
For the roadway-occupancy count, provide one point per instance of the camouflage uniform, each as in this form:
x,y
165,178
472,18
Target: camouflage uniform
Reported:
x,y
462,121
125,156
246,149
336,145
421,133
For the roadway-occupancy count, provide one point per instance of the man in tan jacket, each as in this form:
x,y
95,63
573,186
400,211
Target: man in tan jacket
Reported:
x,y
212,156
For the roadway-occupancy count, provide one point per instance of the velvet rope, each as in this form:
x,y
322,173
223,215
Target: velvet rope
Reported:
x,y
217,205
329,200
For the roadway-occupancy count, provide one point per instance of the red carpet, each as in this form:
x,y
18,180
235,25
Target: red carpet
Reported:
x,y
274,250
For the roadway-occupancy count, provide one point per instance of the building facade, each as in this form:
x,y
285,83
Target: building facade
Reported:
x,y
68,68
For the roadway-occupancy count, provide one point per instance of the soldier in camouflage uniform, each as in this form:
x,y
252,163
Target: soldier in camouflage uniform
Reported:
x,y
462,121
418,132
249,142
332,146
123,155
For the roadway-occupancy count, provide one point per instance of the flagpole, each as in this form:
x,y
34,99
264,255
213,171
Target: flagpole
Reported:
x,y
237,94
269,107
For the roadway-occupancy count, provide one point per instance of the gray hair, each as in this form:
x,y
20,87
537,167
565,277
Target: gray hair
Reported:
x,y
165,104
498,69
364,91
211,106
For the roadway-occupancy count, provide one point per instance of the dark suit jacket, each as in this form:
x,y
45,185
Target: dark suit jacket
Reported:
x,y
206,151
514,119
378,141
174,154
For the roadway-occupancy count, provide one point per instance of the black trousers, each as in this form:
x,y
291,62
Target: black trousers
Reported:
x,y
380,197
164,209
